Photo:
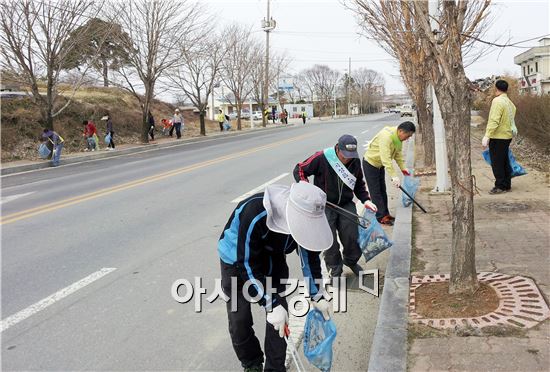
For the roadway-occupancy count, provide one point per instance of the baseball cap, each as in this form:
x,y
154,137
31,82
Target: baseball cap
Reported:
x,y
347,144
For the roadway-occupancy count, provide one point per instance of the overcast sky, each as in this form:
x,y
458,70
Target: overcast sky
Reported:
x,y
324,32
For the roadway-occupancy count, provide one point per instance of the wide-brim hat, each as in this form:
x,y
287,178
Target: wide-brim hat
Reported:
x,y
300,211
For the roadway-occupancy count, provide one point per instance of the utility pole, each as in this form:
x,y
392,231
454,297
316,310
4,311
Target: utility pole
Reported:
x,y
441,166
268,24
348,86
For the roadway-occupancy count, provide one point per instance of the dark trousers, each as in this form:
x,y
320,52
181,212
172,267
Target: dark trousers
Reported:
x,y
221,125
245,343
347,231
500,162
376,182
177,127
303,120
111,143
152,133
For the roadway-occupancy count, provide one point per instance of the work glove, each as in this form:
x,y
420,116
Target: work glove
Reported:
x,y
323,306
514,130
405,172
485,141
370,205
278,318
396,181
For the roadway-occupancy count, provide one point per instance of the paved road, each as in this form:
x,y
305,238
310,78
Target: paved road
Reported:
x,y
116,233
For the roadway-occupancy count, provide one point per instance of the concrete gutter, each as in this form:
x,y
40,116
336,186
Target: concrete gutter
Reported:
x,y
389,345
96,155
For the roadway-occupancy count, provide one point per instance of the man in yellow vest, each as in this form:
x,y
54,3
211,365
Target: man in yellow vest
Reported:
x,y
220,118
385,147
498,135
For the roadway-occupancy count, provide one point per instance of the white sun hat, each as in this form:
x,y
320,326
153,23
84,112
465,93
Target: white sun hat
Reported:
x,y
299,211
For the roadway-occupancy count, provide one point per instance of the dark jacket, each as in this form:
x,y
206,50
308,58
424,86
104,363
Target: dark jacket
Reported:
x,y
257,252
109,125
327,180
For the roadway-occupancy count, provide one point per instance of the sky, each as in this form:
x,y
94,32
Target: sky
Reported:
x,y
325,32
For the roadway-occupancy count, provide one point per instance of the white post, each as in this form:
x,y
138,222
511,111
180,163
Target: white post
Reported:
x,y
251,118
441,166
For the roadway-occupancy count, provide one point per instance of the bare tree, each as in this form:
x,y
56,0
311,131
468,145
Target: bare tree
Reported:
x,y
324,82
369,84
156,29
198,73
390,23
458,22
242,54
34,47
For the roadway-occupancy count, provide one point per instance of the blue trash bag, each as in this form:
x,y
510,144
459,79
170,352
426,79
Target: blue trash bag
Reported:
x,y
226,125
517,170
372,237
108,139
410,184
319,334
44,151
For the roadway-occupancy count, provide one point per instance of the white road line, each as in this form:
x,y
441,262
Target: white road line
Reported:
x,y
9,198
50,300
259,188
365,131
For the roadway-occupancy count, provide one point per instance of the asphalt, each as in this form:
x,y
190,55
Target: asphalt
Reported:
x,y
154,216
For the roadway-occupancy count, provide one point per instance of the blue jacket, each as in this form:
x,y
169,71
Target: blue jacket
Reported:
x,y
258,253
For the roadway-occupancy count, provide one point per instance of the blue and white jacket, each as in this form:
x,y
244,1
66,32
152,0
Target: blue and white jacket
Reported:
x,y
258,253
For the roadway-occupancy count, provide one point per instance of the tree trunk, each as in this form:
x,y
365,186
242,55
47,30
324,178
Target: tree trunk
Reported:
x,y
425,121
105,66
454,98
202,123
145,126
239,106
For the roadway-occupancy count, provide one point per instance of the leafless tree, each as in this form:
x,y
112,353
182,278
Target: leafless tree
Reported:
x,y
242,53
457,23
34,48
198,73
390,23
156,29
325,83
369,84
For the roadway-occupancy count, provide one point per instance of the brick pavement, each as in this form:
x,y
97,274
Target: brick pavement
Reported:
x,y
509,242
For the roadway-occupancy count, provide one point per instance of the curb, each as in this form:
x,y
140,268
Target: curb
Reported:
x,y
389,345
132,150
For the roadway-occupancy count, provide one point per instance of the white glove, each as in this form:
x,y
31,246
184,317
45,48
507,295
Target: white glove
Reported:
x,y
278,318
396,181
370,205
514,131
485,141
323,306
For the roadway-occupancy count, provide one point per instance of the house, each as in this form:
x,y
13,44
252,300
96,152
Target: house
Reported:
x,y
535,68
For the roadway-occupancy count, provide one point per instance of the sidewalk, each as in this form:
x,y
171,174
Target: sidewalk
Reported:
x,y
512,237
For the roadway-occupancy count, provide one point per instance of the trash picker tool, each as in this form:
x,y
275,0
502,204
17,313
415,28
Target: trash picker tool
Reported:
x,y
410,197
349,215
293,351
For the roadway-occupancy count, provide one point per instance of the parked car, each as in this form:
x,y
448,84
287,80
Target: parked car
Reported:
x,y
245,114
232,115
257,115
406,110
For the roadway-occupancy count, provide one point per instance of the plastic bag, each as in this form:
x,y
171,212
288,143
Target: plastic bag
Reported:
x,y
108,138
517,170
226,125
410,184
319,334
44,151
96,139
372,237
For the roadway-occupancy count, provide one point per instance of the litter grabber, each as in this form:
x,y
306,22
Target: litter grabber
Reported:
x,y
347,214
293,351
414,201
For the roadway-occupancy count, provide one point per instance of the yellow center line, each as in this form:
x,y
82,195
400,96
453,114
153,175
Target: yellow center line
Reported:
x,y
96,194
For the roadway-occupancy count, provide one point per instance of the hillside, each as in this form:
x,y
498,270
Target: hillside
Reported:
x,y
21,130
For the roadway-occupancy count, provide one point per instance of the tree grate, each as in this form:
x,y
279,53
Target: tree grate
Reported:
x,y
521,303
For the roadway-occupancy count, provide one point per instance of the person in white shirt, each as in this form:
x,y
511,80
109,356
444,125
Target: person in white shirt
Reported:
x,y
177,123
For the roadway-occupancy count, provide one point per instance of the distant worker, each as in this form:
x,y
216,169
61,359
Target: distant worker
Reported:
x,y
55,144
221,119
303,116
177,122
385,147
151,122
501,128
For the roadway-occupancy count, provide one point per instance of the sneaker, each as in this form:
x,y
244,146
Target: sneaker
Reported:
x,y
386,220
496,190
391,217
356,268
